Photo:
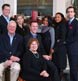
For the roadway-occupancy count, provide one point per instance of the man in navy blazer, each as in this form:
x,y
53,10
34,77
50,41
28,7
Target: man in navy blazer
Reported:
x,y
33,34
4,18
72,43
11,48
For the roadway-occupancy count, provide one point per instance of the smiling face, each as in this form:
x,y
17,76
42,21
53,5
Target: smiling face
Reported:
x,y
34,27
11,27
20,19
58,18
45,21
6,11
34,46
70,13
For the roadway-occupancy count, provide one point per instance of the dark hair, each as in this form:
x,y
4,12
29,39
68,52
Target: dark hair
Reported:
x,y
33,22
32,40
62,16
49,20
44,18
3,6
70,8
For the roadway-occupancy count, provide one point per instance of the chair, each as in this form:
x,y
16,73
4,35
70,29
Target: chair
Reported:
x,y
6,75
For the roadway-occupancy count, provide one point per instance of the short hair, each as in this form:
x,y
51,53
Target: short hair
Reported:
x,y
3,6
44,18
11,21
70,8
32,40
33,22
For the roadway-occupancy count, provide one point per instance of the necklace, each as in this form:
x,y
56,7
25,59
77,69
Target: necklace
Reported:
x,y
36,55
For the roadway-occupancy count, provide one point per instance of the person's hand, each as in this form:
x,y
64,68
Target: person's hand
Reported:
x,y
51,50
50,57
14,58
8,63
44,74
47,57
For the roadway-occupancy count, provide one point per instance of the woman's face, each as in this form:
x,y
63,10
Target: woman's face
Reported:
x,y
20,20
45,21
34,46
58,18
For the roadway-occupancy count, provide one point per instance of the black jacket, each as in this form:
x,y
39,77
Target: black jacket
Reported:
x,y
28,37
60,32
32,67
7,50
72,32
59,56
22,31
3,25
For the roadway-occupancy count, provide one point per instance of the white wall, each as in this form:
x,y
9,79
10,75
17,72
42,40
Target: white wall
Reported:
x,y
60,6
1,3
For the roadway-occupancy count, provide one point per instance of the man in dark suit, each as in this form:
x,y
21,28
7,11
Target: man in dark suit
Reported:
x,y
11,49
72,43
4,18
33,34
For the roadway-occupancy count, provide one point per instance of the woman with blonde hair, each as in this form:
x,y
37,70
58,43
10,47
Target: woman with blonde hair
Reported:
x,y
22,28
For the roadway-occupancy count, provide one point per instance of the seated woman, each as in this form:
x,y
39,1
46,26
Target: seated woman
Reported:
x,y
34,66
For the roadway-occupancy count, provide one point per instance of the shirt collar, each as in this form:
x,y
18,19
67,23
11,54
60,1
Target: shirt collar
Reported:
x,y
71,19
11,35
7,18
33,34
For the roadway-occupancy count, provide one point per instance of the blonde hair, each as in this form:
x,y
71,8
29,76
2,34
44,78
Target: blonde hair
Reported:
x,y
18,15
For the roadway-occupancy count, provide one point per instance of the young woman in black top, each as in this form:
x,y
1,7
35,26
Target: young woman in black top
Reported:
x,y
22,28
59,57
48,34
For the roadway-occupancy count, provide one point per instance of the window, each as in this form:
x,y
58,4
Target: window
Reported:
x,y
44,7
75,4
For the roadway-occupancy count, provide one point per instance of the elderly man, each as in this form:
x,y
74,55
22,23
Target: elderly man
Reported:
x,y
10,51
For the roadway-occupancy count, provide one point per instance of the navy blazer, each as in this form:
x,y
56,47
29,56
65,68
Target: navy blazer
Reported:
x,y
28,37
3,25
72,32
7,50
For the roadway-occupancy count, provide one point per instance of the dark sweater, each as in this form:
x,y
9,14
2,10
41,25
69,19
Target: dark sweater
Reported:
x,y
32,67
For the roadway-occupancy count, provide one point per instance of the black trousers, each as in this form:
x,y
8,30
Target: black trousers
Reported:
x,y
52,71
73,61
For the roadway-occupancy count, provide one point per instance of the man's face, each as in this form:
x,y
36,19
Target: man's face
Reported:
x,y
34,27
70,13
11,27
6,11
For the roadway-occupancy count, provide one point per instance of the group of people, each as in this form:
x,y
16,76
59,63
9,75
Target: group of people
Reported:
x,y
38,50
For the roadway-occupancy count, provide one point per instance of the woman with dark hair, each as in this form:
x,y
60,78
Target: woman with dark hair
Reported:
x,y
59,56
34,67
48,34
